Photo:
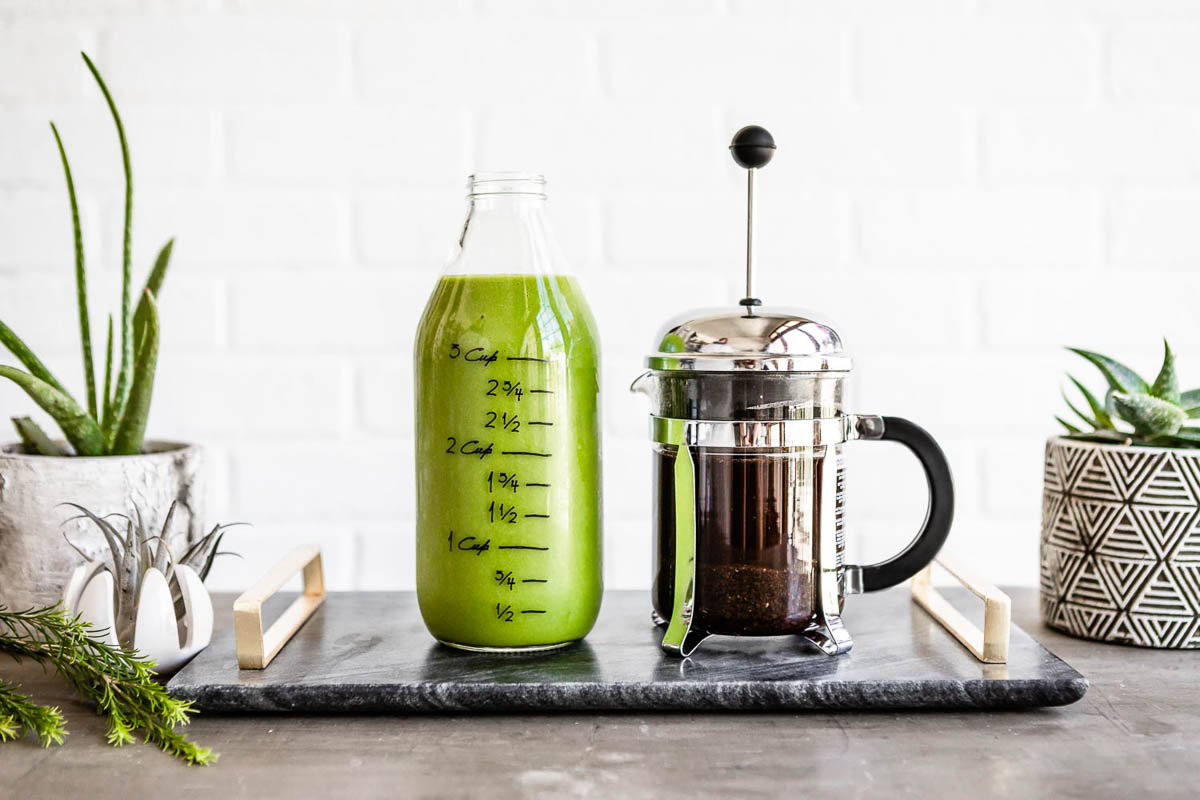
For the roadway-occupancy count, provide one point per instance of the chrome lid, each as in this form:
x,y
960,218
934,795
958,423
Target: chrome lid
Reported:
x,y
754,339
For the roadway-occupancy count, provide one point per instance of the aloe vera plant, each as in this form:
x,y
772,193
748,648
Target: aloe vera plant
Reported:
x,y
113,422
1135,411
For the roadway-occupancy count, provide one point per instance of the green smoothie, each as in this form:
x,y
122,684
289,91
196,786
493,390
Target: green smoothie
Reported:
x,y
508,462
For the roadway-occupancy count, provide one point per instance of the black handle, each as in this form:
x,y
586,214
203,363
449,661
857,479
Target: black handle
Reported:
x,y
929,541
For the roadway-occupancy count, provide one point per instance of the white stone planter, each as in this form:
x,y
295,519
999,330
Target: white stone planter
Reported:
x,y
35,559
1120,558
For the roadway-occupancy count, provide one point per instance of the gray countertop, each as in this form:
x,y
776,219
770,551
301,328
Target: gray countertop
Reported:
x,y
1135,732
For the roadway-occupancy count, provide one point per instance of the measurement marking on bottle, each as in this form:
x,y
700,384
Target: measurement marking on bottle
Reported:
x,y
540,423
541,391
542,485
533,611
537,516
520,547
523,453
534,580
527,358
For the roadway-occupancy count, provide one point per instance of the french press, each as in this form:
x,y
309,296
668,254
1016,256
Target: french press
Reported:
x,y
748,430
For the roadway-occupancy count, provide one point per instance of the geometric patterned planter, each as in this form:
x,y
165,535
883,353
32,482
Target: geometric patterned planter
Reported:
x,y
1120,555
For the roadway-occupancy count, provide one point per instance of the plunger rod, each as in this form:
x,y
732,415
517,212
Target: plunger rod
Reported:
x,y
750,192
752,148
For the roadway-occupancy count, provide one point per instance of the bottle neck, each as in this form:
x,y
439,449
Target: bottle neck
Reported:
x,y
506,231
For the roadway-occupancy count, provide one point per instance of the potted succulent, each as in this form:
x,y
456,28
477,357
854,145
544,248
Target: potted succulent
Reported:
x,y
105,459
1120,552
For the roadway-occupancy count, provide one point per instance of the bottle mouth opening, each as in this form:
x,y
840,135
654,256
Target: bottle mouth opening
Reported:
x,y
492,183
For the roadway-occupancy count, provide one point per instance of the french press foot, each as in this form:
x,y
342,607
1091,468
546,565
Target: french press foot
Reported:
x,y
829,634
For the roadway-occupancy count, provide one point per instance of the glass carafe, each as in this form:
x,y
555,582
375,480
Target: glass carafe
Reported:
x,y
508,434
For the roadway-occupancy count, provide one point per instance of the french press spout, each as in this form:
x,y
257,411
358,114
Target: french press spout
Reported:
x,y
748,429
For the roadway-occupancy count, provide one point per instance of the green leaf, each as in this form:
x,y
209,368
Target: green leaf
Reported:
x,y
19,715
1091,422
32,363
132,428
1111,437
107,422
1184,437
125,374
80,429
1166,385
1070,428
1149,415
1098,411
85,326
1190,398
35,439
1120,377
153,286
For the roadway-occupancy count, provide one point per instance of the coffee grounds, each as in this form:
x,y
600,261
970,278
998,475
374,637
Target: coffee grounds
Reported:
x,y
748,600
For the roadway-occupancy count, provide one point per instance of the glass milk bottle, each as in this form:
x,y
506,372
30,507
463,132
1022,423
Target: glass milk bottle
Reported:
x,y
508,434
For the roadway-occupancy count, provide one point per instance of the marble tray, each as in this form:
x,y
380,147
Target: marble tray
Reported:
x,y
369,653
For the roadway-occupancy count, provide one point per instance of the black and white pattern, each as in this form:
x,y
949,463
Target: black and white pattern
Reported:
x,y
1120,558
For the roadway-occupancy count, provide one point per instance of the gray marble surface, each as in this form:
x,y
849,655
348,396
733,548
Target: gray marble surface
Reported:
x,y
370,653
1136,733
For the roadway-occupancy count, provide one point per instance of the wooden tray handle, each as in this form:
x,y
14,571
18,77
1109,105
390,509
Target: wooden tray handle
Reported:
x,y
989,645
256,648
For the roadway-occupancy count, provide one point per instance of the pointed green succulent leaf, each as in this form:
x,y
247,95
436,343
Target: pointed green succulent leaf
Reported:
x,y
125,373
1166,385
1070,428
1149,415
154,286
35,439
80,429
1111,437
85,327
1190,398
1120,377
31,362
1101,414
106,423
132,428
1088,420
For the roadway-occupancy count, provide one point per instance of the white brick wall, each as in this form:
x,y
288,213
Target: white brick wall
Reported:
x,y
963,185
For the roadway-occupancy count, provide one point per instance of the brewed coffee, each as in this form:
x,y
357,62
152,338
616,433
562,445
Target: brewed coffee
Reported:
x,y
756,526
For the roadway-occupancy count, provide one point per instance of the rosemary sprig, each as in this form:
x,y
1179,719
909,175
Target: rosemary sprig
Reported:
x,y
120,682
19,715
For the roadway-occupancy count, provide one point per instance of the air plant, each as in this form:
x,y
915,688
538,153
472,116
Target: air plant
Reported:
x,y
1157,412
114,421
136,550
